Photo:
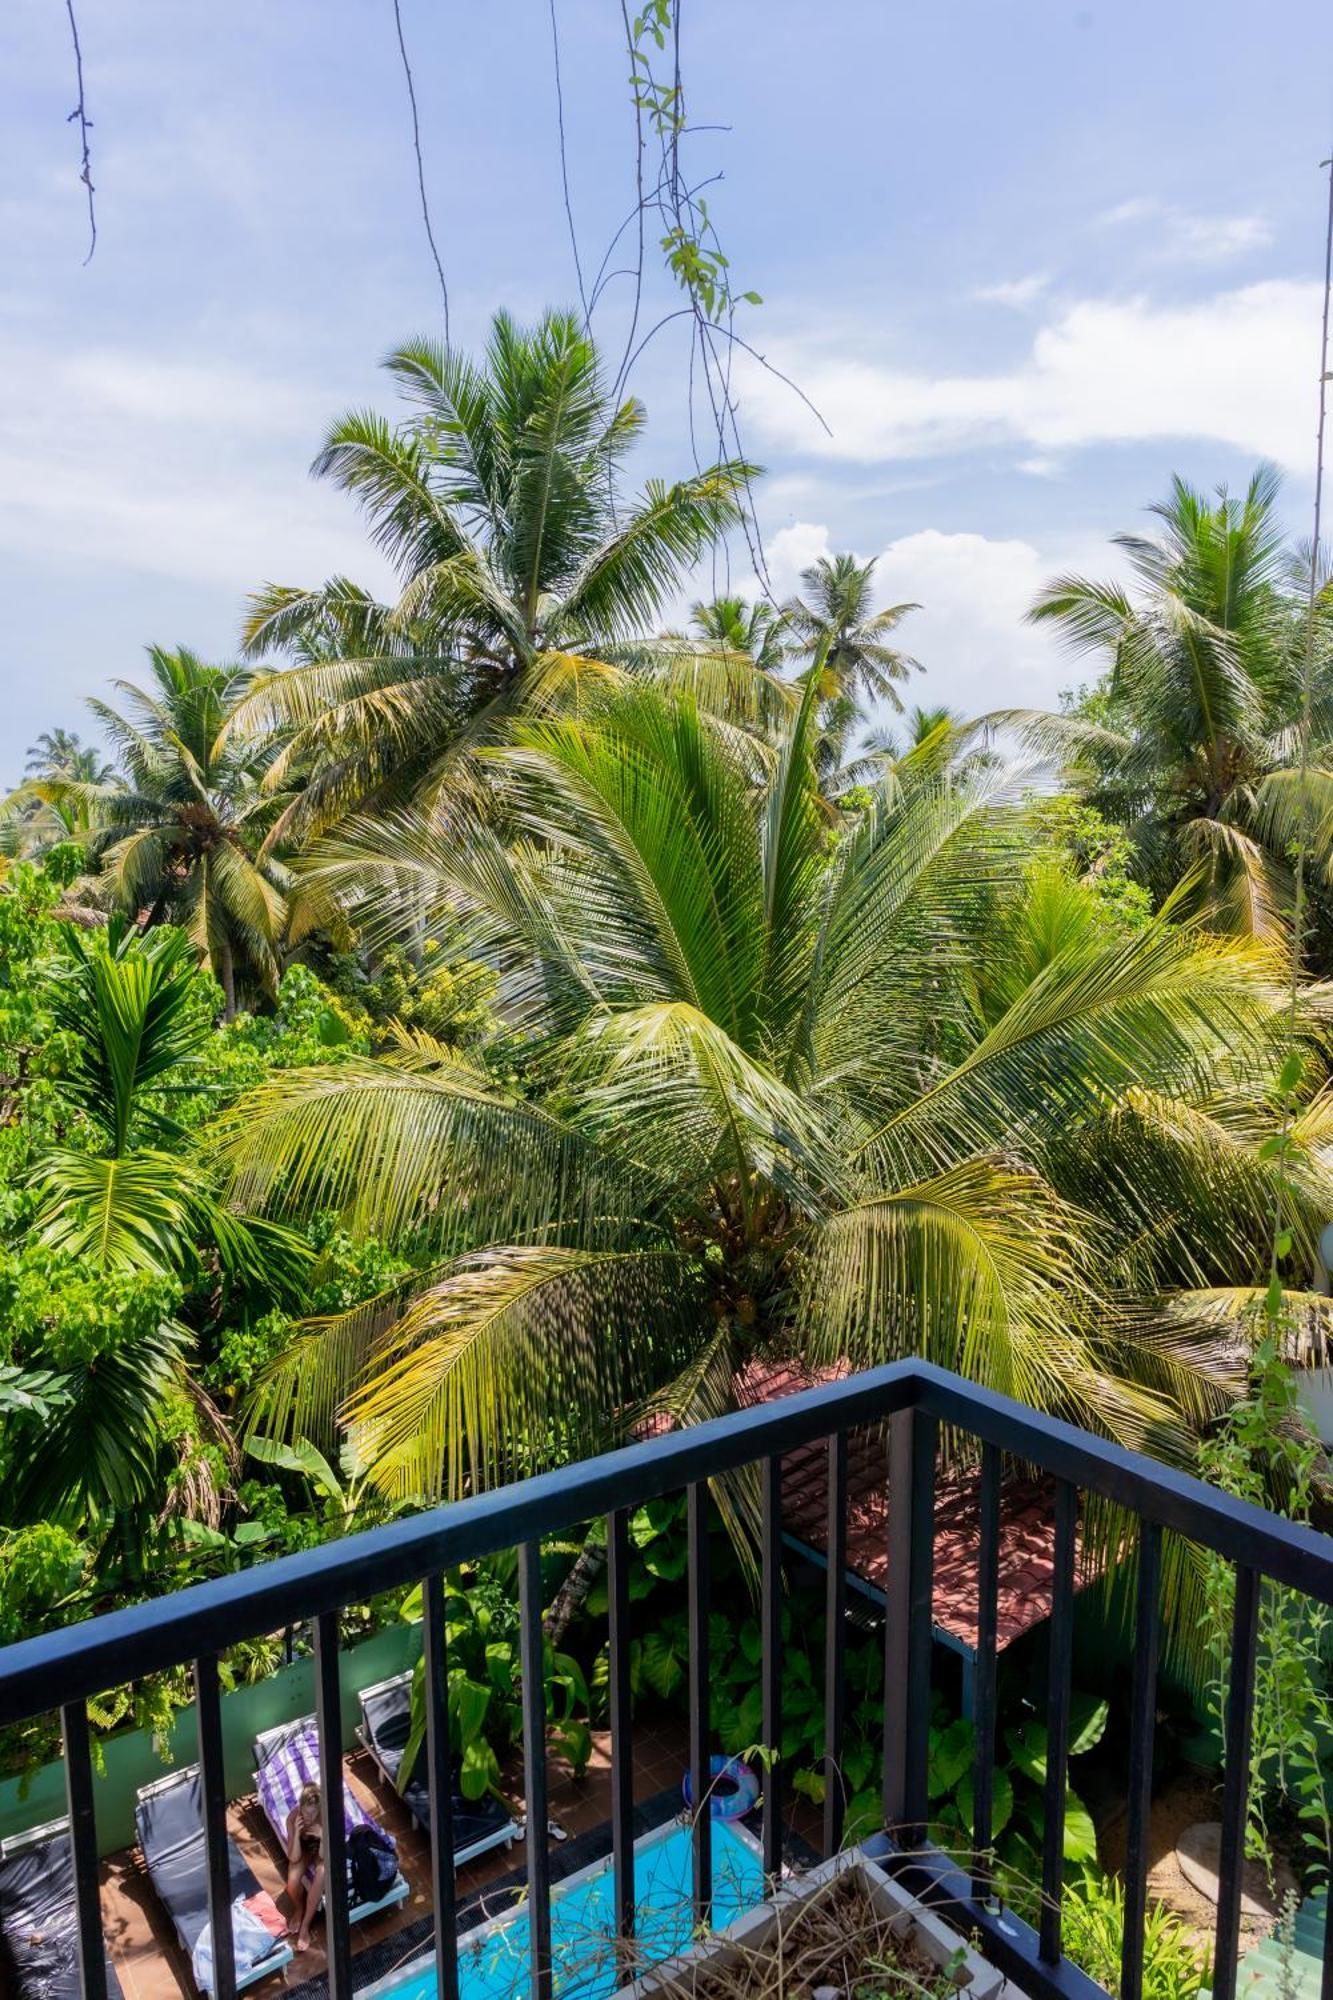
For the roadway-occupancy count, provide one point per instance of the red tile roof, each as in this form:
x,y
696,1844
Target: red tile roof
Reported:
x,y
1027,1519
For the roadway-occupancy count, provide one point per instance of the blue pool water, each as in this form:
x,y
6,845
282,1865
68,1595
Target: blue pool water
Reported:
x,y
493,1962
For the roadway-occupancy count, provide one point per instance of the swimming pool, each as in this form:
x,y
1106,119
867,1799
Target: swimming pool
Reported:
x,y
493,1959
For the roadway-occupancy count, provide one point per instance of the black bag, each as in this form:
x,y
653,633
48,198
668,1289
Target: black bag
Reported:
x,y
372,1864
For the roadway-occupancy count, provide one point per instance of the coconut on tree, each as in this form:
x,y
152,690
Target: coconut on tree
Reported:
x,y
894,1085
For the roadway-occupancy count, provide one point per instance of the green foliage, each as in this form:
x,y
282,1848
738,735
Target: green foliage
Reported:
x,y
309,1023
41,1569
447,997
900,1091
1093,1909
347,1271
55,1311
1190,738
484,1683
524,569
659,1661
182,837
1263,1448
1095,853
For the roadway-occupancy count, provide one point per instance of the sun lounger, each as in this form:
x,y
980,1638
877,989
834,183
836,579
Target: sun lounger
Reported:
x,y
287,1758
169,1816
39,1922
386,1721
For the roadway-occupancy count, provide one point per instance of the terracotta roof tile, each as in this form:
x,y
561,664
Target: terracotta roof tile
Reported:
x,y
1027,1523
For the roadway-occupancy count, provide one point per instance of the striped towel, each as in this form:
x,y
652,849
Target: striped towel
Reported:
x,y
294,1763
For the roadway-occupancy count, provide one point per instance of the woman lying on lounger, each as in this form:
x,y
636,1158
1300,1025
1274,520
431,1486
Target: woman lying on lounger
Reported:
x,y
305,1863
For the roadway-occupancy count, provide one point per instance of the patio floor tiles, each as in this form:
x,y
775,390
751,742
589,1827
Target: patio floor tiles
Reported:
x,y
143,1945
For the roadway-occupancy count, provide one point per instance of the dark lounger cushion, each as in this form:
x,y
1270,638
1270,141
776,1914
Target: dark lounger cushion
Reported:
x,y
473,1819
388,1716
39,1948
171,1834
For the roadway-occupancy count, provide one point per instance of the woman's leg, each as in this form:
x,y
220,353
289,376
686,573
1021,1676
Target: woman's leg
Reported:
x,y
295,1896
312,1901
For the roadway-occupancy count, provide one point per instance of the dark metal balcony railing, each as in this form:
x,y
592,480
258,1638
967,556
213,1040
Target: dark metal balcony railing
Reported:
x,y
64,1669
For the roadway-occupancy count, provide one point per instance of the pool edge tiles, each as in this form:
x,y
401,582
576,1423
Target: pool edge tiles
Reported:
x,y
493,1961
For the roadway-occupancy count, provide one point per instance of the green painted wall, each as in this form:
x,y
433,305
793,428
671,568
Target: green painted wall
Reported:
x,y
131,1761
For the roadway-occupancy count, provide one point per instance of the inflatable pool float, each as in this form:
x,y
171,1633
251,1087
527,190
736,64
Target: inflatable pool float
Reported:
x,y
733,1792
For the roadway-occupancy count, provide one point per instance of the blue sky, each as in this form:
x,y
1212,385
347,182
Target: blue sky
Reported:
x,y
1028,259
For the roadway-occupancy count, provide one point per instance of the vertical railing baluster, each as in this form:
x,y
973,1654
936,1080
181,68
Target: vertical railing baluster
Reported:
x,y
1142,1717
771,1631
908,1624
835,1644
1326,1975
1057,1719
532,1647
983,1709
329,1721
700,1701
1236,1780
213,1784
440,1768
83,1848
622,1743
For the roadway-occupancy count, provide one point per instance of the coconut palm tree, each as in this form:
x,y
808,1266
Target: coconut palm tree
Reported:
x,y
859,1091
836,623
58,753
499,501
754,631
182,839
30,825
1191,741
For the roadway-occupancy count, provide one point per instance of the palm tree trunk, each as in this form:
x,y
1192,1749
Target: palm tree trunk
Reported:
x,y
226,971
572,1595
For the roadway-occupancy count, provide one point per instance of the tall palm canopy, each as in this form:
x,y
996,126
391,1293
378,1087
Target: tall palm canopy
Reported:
x,y
753,631
867,1089
114,1203
499,501
39,814
836,618
58,753
1191,741
181,839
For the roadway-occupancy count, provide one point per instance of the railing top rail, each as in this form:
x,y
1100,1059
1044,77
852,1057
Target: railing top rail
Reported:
x,y
1236,1529
40,1674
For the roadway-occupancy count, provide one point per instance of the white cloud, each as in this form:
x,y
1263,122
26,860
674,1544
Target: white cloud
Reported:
x,y
1234,368
1136,210
969,633
1016,292
1203,239
974,592
173,468
791,550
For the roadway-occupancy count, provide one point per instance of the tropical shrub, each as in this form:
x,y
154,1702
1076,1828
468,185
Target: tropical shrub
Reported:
x,y
484,1692
887,1086
1093,1916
